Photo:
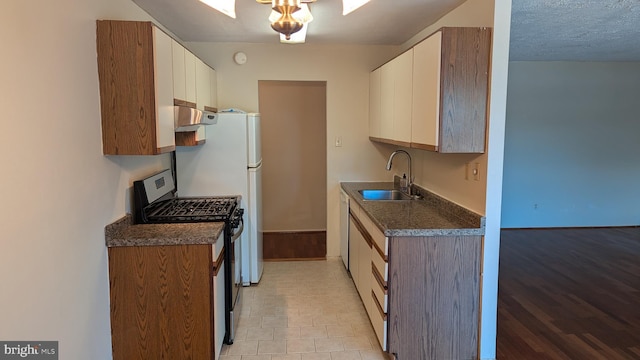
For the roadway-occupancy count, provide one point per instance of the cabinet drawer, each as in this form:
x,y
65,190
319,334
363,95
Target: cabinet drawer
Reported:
x,y
379,322
381,241
381,266
217,254
355,209
380,294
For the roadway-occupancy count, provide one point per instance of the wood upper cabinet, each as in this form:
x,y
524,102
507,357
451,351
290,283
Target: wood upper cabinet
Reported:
x,y
390,101
192,138
450,91
136,88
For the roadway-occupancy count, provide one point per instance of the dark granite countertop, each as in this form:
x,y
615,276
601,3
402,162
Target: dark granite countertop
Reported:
x,y
124,233
431,216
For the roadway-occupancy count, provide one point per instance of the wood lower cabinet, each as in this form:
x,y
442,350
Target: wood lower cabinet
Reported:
x,y
434,297
422,294
167,302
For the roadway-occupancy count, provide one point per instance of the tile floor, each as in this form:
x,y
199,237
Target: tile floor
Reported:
x,y
303,310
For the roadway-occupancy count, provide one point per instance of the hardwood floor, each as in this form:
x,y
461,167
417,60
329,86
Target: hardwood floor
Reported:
x,y
569,294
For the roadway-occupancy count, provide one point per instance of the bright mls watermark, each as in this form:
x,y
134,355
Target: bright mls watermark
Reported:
x,y
10,350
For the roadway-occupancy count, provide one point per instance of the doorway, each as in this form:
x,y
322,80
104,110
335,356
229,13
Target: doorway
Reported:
x,y
294,156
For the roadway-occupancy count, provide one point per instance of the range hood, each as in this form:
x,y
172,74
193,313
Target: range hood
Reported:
x,y
189,119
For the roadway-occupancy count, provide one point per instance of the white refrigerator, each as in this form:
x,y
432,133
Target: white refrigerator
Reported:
x,y
230,163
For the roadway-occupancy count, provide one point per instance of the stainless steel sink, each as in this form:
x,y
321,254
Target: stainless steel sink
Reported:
x,y
388,195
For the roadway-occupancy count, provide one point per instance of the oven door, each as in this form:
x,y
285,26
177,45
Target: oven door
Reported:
x,y
235,281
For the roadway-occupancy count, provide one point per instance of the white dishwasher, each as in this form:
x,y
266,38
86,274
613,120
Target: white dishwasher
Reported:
x,y
344,228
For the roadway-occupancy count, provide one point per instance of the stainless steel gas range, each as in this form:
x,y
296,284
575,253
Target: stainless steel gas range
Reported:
x,y
156,202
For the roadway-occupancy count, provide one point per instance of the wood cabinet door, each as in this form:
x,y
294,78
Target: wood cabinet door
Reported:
x,y
136,88
425,118
434,297
161,302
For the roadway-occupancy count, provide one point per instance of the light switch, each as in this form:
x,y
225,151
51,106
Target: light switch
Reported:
x,y
338,141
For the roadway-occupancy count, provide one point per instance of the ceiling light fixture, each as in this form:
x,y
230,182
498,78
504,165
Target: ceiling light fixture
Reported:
x,y
289,17
227,7
303,16
350,5
296,38
286,24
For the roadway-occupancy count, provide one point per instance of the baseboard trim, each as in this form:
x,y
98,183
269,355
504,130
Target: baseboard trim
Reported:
x,y
296,259
573,227
294,245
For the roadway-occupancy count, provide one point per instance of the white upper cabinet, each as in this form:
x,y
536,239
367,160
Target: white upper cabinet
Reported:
x,y
403,76
390,101
164,90
387,91
184,75
203,86
213,79
434,96
179,75
375,117
426,91
190,75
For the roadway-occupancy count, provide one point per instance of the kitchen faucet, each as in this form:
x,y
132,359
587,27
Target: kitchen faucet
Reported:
x,y
410,180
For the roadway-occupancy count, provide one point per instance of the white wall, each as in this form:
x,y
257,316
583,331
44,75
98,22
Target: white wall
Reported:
x,y
345,68
572,149
58,191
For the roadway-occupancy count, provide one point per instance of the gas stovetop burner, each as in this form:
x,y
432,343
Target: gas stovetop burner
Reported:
x,y
155,202
191,209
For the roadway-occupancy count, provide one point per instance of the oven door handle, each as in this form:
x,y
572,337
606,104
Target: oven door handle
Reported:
x,y
238,231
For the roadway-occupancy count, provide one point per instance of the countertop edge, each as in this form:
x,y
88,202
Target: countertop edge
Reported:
x,y
123,232
456,213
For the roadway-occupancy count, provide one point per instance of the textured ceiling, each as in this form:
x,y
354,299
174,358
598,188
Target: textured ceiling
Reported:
x,y
575,30
544,30
380,22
